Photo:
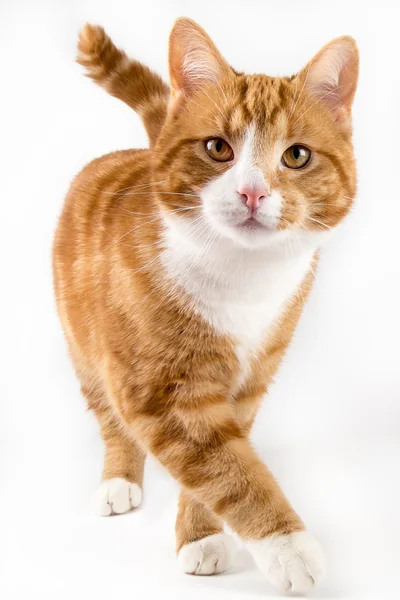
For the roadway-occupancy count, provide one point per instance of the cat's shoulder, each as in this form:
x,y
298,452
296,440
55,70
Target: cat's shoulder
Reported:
x,y
138,159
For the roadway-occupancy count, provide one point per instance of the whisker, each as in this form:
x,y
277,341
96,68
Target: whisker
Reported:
x,y
134,187
153,244
130,231
201,224
319,222
132,212
313,204
156,216
198,258
167,193
173,291
179,194
150,262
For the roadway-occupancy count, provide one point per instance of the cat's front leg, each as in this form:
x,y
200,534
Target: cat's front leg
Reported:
x,y
202,546
200,443
292,562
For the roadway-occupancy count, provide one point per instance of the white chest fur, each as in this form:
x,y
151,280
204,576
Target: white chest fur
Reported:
x,y
240,292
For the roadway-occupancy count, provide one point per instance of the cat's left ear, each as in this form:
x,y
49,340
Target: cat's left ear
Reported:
x,y
332,77
194,60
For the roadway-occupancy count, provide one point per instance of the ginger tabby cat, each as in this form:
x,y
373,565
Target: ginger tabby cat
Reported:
x,y
181,272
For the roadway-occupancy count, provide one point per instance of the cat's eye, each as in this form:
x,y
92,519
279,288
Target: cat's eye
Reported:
x,y
218,149
296,157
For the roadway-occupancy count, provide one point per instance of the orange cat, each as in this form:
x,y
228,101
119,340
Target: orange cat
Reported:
x,y
181,272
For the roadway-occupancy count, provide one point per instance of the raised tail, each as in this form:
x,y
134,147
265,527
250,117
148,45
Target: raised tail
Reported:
x,y
125,78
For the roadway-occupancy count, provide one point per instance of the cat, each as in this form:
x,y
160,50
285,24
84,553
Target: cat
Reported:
x,y
180,274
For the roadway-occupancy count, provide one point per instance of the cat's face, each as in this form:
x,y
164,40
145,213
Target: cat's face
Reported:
x,y
253,158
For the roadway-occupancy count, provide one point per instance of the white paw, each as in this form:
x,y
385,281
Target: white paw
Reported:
x,y
212,554
292,562
116,496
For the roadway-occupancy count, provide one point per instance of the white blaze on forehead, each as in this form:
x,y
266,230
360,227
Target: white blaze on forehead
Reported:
x,y
248,173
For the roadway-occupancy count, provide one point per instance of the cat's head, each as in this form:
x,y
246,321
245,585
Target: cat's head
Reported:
x,y
252,158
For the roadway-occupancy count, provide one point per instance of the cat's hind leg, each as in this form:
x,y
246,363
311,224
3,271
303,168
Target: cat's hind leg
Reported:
x,y
121,488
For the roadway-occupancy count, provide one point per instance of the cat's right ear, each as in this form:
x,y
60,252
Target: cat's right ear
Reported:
x,y
194,59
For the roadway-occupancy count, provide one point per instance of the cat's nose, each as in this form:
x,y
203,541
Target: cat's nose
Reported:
x,y
253,196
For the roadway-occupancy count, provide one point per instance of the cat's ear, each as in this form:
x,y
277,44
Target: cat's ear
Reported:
x,y
194,59
331,76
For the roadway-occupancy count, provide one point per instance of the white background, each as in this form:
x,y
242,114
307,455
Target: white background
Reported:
x,y
330,427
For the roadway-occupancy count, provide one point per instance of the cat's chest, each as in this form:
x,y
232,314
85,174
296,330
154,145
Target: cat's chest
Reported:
x,y
242,301
247,307
249,318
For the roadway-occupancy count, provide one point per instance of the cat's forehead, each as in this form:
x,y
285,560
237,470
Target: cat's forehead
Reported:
x,y
262,102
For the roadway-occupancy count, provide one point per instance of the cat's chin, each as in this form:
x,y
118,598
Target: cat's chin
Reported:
x,y
251,224
253,235
262,236
257,241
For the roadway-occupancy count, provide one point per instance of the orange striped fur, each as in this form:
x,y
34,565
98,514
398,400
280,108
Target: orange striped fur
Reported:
x,y
159,373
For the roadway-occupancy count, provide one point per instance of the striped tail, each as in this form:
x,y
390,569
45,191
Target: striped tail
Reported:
x,y
125,78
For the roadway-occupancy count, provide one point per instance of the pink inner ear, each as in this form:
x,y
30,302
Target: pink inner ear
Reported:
x,y
332,75
193,57
198,65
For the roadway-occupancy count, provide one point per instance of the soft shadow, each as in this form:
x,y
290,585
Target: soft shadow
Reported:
x,y
245,578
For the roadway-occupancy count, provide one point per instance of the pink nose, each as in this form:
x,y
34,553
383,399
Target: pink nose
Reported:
x,y
252,196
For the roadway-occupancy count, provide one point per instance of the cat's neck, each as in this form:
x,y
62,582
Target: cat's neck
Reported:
x,y
225,265
236,289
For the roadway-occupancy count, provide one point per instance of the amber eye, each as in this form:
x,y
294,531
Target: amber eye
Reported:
x,y
296,157
218,149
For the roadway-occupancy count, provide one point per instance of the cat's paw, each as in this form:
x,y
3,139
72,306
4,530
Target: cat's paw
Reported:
x,y
292,562
116,496
212,554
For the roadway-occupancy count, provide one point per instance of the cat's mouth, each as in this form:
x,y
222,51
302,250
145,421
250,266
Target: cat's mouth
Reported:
x,y
252,224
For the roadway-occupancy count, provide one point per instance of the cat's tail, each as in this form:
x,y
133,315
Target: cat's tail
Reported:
x,y
125,78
